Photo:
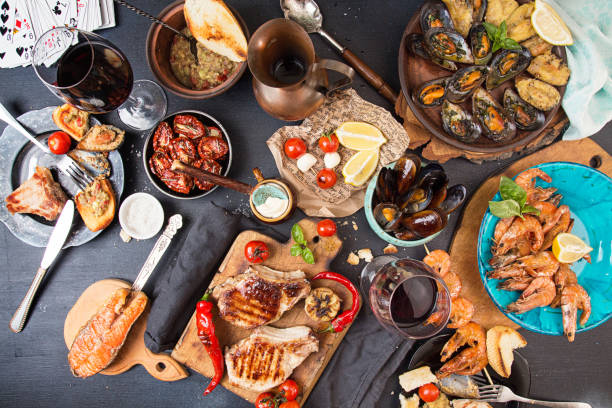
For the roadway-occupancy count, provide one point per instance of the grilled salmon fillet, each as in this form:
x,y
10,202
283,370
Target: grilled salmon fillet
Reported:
x,y
99,341
40,195
268,356
259,296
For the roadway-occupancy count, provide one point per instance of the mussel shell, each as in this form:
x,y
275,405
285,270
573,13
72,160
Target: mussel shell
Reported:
x,y
416,45
525,116
435,14
386,185
480,8
387,215
495,122
455,196
406,169
438,197
507,64
424,223
415,200
459,124
431,93
406,235
434,176
481,44
463,82
448,44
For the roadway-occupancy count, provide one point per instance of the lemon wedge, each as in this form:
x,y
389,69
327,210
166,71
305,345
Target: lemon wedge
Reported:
x,y
360,136
549,26
359,168
568,248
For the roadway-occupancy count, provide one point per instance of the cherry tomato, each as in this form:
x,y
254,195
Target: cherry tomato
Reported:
x,y
289,389
265,400
295,147
326,178
289,404
59,142
256,251
429,392
329,143
326,228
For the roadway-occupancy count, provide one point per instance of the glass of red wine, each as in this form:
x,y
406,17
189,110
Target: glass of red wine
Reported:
x,y
406,296
90,73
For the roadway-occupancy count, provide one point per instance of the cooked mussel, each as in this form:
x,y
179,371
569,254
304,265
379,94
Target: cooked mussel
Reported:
x,y
463,82
434,14
455,196
386,185
495,122
524,115
506,65
459,124
480,8
448,44
434,176
387,215
416,45
406,169
406,235
481,44
431,93
416,199
424,223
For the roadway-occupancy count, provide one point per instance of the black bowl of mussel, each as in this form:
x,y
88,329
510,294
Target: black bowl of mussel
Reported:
x,y
408,203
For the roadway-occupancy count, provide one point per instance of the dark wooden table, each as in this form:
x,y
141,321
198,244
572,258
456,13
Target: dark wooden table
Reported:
x,y
34,370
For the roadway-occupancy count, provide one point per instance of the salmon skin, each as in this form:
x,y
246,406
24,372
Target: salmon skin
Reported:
x,y
99,341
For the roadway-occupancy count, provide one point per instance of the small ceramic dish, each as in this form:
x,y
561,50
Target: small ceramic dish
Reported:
x,y
141,216
158,44
587,192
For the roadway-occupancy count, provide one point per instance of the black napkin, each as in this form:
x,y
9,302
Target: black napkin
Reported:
x,y
176,294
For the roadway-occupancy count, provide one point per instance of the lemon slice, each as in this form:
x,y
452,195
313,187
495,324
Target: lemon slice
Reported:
x,y
549,26
359,168
568,248
360,136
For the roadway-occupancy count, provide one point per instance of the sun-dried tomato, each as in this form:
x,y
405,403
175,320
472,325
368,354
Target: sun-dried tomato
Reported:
x,y
188,125
182,149
162,136
212,148
209,165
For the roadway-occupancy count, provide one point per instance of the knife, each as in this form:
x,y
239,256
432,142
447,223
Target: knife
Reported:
x,y
56,242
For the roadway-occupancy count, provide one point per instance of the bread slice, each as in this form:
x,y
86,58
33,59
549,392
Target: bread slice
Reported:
x,y
102,138
71,120
96,204
501,342
413,379
412,402
466,403
212,23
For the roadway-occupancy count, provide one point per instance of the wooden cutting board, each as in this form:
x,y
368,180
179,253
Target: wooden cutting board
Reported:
x,y
161,366
463,249
190,351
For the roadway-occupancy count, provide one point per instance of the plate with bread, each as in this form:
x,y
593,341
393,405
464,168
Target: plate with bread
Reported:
x,y
34,190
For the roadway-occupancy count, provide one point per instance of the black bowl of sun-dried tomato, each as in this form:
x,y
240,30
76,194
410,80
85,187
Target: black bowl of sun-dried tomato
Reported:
x,y
196,139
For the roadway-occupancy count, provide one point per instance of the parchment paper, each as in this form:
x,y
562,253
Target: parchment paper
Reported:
x,y
342,199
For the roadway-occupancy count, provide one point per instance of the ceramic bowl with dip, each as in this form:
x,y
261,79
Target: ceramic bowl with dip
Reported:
x,y
141,216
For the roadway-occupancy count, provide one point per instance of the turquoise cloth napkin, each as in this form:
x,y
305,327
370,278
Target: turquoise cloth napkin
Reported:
x,y
588,96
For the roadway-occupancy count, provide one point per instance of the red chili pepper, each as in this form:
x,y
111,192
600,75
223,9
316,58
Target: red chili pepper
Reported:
x,y
206,333
345,318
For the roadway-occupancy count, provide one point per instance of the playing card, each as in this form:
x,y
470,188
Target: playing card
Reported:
x,y
71,14
23,38
7,23
59,9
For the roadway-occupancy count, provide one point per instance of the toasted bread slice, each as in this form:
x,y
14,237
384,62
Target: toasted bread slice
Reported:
x,y
71,120
413,379
102,138
501,342
212,23
412,402
96,204
466,403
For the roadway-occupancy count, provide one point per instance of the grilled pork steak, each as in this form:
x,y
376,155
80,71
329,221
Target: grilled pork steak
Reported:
x,y
259,296
268,356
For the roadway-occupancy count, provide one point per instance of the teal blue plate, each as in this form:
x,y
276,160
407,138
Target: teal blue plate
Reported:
x,y
588,193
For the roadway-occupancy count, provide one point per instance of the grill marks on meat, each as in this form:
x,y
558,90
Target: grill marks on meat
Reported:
x,y
268,357
40,195
99,341
259,296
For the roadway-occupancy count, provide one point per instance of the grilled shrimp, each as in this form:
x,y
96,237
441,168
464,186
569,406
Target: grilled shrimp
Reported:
x,y
461,313
541,264
527,180
563,277
507,272
540,292
564,224
574,297
519,283
549,214
471,359
453,282
501,227
529,228
439,261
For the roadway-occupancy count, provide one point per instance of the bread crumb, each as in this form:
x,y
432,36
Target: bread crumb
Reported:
x,y
390,249
355,227
365,254
353,259
125,237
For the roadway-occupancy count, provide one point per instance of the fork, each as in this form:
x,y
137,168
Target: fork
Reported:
x,y
66,164
500,393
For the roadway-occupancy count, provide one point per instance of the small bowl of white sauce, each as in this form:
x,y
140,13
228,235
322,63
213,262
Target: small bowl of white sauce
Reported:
x,y
141,216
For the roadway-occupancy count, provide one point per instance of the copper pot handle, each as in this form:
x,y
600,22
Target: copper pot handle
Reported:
x,y
337,66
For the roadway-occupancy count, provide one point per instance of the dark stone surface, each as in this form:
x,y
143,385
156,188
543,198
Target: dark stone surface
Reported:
x,y
34,368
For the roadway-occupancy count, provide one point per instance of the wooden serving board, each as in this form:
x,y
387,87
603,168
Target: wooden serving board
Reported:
x,y
190,351
463,249
161,366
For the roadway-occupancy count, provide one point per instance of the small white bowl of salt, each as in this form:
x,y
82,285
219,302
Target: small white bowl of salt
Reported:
x,y
141,216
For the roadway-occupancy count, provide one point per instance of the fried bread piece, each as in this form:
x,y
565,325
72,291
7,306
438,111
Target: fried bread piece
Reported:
x,y
71,120
96,204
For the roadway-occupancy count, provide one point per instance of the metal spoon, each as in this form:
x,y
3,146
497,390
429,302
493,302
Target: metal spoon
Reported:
x,y
307,14
192,41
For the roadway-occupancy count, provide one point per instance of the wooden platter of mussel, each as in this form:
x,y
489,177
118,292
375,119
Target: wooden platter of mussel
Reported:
x,y
477,75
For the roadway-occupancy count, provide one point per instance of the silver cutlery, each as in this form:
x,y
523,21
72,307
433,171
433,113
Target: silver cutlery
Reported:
x,y
56,242
500,393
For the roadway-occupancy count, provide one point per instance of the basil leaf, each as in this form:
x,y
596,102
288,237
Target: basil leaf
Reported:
x,y
491,29
496,46
530,210
510,44
298,234
296,250
502,31
308,256
509,190
504,209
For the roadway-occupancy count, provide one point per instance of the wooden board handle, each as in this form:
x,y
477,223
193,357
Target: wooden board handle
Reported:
x,y
372,77
163,367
